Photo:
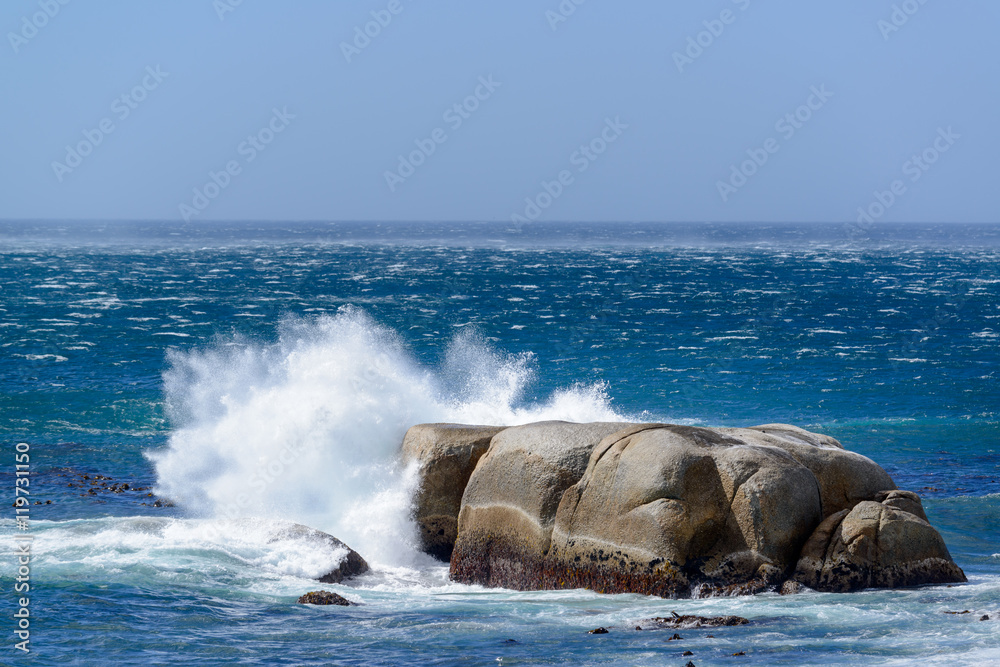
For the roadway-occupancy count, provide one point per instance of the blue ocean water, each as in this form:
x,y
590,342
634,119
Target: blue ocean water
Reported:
x,y
188,361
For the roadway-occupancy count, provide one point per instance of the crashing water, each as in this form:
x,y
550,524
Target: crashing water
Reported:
x,y
308,428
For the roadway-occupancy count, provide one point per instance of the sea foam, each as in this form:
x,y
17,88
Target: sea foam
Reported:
x,y
308,428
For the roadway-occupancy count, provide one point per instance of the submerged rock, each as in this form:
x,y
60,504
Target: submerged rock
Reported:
x,y
447,454
674,510
687,621
325,597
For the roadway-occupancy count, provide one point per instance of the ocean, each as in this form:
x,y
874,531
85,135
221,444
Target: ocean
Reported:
x,y
267,373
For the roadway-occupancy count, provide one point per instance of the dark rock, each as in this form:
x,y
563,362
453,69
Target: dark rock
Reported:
x,y
325,597
791,587
674,638
688,621
598,631
689,664
687,653
959,612
984,617
739,653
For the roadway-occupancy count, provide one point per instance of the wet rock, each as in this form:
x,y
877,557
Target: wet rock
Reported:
x,y
446,454
675,637
324,598
598,631
984,617
351,565
739,653
792,587
676,620
687,653
689,664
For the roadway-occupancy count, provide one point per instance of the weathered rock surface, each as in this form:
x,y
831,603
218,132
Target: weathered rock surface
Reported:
x,y
510,502
883,543
679,510
447,454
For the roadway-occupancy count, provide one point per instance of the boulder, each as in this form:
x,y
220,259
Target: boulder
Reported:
x,y
678,510
665,508
509,505
325,598
446,455
882,543
351,565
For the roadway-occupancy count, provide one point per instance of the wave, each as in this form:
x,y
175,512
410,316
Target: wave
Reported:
x,y
308,428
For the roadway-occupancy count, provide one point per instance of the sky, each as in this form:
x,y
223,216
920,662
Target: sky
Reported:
x,y
465,110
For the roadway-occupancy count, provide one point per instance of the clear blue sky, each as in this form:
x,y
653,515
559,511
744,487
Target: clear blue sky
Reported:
x,y
894,93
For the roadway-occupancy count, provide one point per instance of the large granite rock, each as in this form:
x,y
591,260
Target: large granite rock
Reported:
x,y
883,543
447,454
679,510
671,510
510,502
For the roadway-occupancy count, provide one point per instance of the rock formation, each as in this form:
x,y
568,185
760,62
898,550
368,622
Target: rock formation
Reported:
x,y
668,510
884,543
447,454
510,502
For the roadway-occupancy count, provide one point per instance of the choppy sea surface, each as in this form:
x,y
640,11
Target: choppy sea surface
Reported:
x,y
281,364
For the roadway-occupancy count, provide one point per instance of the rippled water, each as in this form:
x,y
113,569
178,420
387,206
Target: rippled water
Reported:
x,y
188,360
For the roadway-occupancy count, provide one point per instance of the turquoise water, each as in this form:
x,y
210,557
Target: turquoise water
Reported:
x,y
186,360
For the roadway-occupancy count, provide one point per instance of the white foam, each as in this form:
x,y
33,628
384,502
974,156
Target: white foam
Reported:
x,y
204,552
308,428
